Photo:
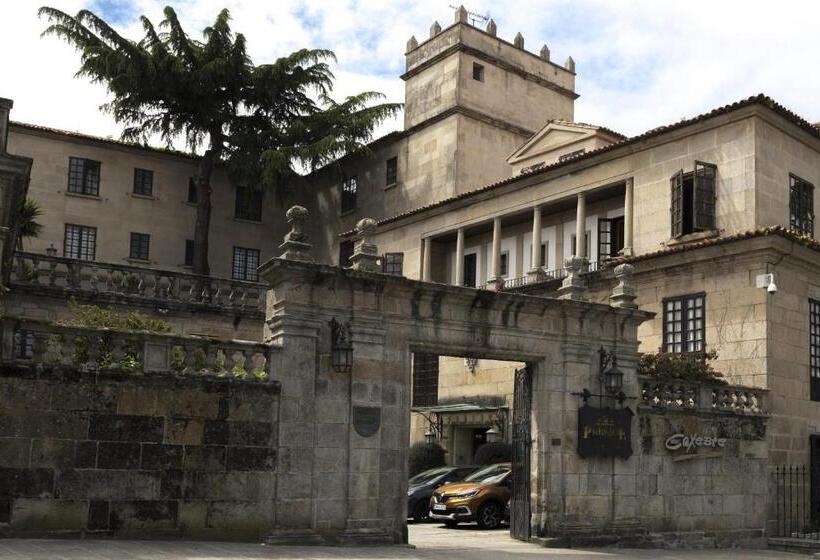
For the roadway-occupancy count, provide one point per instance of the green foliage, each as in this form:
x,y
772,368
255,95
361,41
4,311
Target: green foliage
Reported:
x,y
690,366
424,456
260,374
28,224
493,452
265,123
93,316
177,359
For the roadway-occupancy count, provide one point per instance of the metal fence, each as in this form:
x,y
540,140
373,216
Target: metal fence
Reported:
x,y
796,511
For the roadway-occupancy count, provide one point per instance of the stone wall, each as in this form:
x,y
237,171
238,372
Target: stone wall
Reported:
x,y
119,455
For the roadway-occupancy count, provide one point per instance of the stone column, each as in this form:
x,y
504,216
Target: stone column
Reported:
x,y
581,227
628,217
624,293
426,259
495,271
459,280
536,273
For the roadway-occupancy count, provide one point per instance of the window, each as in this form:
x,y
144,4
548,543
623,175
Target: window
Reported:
x,y
471,270
814,349
693,200
610,237
139,246
425,379
505,264
393,263
143,182
189,252
345,252
586,244
392,172
192,198
683,323
80,242
801,206
349,188
84,176
245,263
478,72
248,204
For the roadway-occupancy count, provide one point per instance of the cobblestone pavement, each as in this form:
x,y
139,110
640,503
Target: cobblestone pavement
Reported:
x,y
431,542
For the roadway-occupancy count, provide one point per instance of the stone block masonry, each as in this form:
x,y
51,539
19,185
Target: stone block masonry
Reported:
x,y
107,454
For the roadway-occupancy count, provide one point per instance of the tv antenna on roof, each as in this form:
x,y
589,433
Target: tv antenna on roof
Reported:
x,y
474,16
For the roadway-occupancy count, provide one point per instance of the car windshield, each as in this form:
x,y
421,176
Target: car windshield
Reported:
x,y
428,476
489,475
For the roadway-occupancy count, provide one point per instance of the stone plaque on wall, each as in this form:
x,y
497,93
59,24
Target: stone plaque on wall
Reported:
x,y
366,420
604,432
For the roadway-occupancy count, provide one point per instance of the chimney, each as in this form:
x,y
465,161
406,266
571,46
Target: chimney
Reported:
x,y
5,109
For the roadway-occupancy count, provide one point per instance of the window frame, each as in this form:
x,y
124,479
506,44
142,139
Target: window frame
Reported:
x,y
83,232
702,210
814,349
391,171
801,202
425,379
346,249
684,323
241,268
83,175
143,187
139,242
248,204
348,192
393,263
189,252
478,72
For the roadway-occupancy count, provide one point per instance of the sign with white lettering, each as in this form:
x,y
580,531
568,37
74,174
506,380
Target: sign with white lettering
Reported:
x,y
689,443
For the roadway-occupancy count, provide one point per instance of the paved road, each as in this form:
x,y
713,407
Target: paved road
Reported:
x,y
431,541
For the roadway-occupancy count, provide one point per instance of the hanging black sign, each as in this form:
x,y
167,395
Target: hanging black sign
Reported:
x,y
604,432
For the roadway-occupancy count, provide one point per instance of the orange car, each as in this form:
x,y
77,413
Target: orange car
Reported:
x,y
480,498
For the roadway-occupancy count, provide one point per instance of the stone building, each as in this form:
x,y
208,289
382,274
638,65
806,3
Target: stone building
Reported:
x,y
715,213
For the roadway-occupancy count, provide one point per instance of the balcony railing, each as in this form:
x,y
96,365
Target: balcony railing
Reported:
x,y
703,397
130,284
40,345
548,276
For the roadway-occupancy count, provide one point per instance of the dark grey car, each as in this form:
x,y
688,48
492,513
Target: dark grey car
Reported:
x,y
420,487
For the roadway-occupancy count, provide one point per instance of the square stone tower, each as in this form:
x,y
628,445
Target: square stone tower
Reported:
x,y
472,98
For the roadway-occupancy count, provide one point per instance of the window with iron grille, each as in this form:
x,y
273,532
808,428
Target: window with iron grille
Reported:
x,y
425,379
192,197
478,72
345,252
684,320
350,187
801,206
189,252
814,349
245,263
23,344
139,246
248,204
393,263
80,242
392,172
83,176
143,182
693,199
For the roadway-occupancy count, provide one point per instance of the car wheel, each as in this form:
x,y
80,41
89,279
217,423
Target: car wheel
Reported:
x,y
489,516
421,511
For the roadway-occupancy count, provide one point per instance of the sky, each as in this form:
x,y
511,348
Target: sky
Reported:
x,y
640,63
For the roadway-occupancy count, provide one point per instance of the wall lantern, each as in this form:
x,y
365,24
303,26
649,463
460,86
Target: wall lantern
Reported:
x,y
341,347
493,435
612,379
429,437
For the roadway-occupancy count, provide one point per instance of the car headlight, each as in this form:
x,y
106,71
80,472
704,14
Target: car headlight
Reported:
x,y
469,494
410,493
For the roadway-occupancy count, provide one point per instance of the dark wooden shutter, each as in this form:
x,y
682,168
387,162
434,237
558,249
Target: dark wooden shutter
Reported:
x,y
677,204
425,379
704,192
604,238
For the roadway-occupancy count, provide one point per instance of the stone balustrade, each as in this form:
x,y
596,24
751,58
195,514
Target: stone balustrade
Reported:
x,y
118,283
33,344
703,397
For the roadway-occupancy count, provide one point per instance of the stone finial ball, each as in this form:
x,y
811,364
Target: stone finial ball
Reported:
x,y
625,270
366,226
296,214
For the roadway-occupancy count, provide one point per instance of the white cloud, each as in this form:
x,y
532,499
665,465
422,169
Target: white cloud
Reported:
x,y
640,64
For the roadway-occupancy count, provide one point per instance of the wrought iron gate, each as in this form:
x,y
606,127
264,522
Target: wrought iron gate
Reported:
x,y
521,441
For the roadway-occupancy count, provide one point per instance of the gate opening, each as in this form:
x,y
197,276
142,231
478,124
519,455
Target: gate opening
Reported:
x,y
479,412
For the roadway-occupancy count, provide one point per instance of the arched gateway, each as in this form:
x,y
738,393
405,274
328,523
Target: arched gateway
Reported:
x,y
343,432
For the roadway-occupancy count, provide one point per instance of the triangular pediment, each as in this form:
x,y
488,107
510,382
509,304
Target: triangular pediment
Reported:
x,y
550,138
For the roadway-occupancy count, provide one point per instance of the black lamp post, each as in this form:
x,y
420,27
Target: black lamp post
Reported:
x,y
341,347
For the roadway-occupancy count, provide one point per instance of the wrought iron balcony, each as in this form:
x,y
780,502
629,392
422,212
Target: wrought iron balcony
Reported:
x,y
118,283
